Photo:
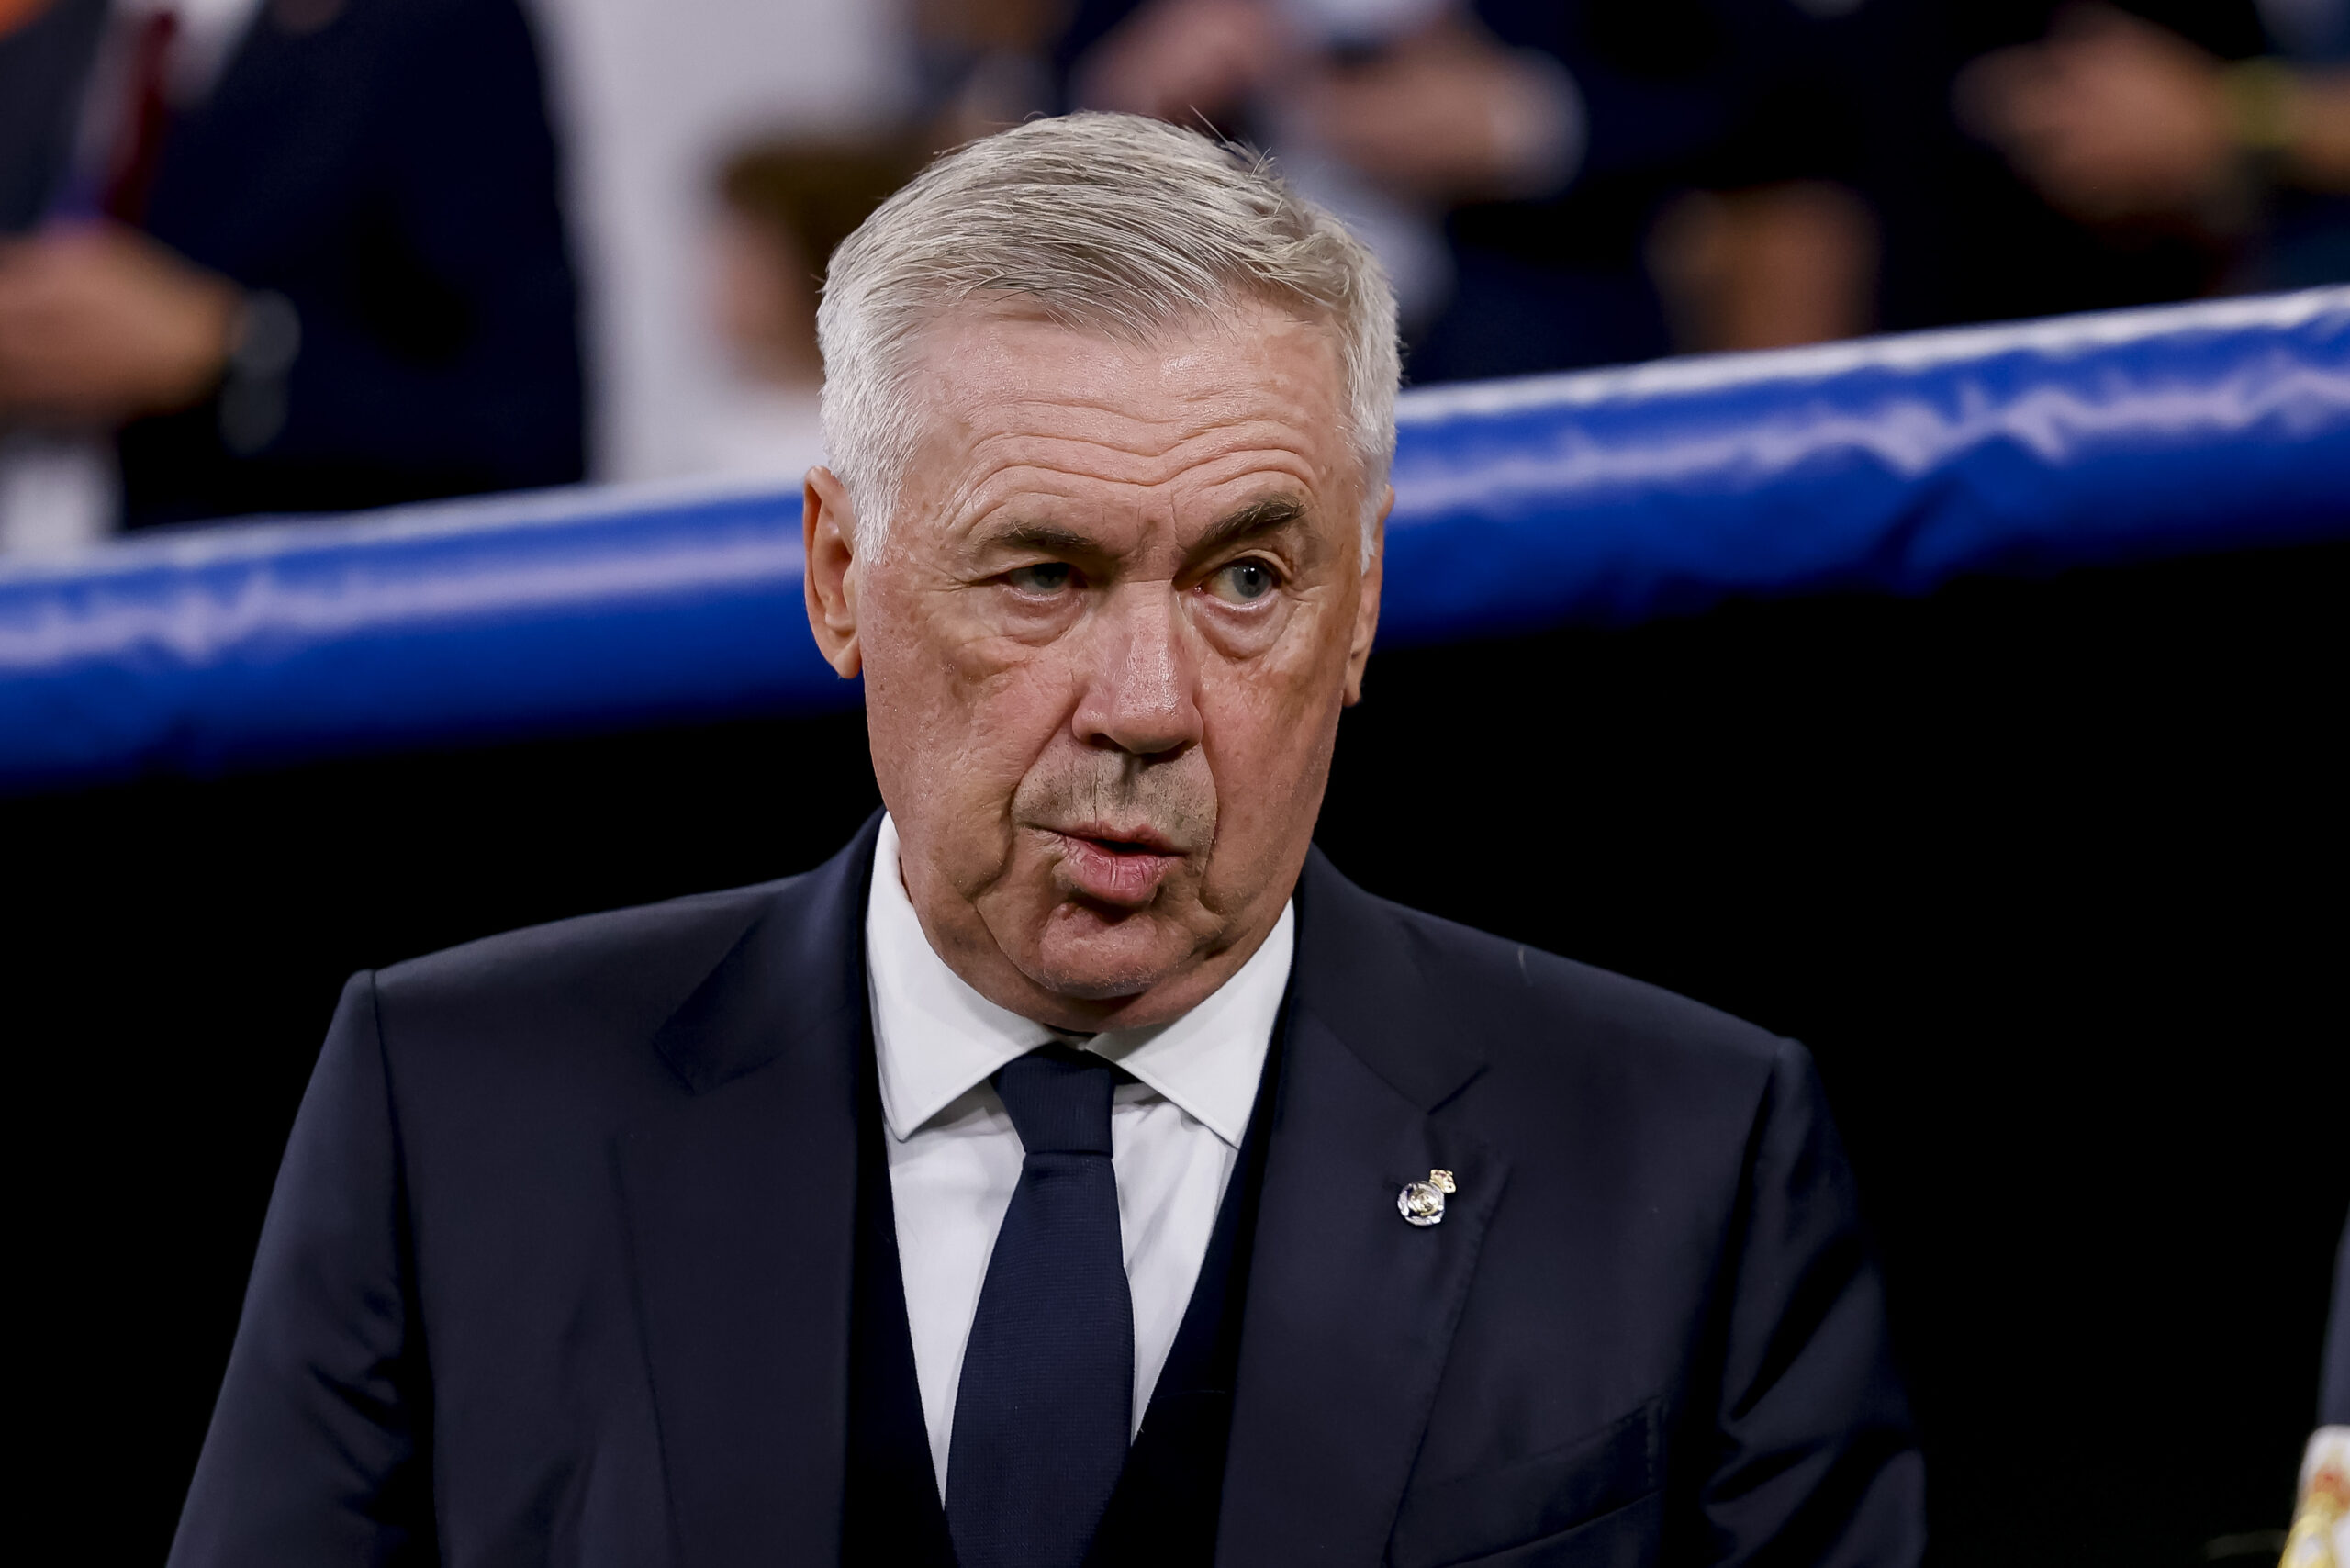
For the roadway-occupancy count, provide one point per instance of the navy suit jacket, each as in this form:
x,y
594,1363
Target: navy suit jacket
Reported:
x,y
387,166
558,1268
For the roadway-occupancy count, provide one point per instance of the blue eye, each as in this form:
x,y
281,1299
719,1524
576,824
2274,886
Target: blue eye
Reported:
x,y
1244,582
1044,578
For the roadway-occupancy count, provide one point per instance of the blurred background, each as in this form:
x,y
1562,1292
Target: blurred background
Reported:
x,y
2083,835
307,255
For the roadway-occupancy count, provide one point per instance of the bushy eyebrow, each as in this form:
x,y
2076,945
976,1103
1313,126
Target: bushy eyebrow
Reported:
x,y
1043,538
1259,517
1052,538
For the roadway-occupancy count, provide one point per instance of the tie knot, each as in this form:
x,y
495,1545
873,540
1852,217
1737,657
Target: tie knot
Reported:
x,y
1059,1100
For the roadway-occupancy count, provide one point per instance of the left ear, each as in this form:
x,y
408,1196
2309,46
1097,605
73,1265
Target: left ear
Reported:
x,y
1367,606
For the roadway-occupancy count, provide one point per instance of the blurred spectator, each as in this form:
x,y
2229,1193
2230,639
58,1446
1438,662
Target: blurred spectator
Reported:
x,y
1388,111
785,205
294,255
43,49
985,64
787,198
1553,182
1765,268
2238,142
654,95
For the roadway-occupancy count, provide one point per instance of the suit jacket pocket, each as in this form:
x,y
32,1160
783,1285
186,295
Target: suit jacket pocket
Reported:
x,y
1489,1511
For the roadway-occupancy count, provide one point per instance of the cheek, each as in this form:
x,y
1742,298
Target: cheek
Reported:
x,y
1269,726
956,727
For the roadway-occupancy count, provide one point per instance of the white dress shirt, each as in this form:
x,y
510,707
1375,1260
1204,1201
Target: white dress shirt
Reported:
x,y
955,1158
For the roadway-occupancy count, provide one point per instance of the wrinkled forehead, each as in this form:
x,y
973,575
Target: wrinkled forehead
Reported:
x,y
1010,400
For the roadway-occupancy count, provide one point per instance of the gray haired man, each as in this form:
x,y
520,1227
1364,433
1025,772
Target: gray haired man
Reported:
x,y
1077,1169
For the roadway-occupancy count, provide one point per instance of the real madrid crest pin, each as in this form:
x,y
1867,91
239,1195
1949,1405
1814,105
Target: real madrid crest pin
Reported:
x,y
1422,1203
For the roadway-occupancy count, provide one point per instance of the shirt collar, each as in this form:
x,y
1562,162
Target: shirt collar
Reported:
x,y
936,1038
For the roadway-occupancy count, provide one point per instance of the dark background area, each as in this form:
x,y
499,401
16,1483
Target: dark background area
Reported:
x,y
2048,874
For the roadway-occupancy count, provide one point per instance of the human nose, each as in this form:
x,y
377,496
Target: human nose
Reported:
x,y
1141,695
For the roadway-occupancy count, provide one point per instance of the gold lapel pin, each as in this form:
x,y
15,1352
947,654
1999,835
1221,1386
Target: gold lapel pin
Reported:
x,y
1422,1203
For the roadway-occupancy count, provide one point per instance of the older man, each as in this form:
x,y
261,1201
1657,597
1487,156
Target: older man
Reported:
x,y
1076,1169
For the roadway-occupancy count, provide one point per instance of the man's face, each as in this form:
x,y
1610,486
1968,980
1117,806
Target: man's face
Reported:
x,y
1105,645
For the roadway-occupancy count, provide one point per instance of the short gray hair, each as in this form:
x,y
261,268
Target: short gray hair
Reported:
x,y
1103,222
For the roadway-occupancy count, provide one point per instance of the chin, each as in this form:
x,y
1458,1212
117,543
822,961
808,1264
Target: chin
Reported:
x,y
1105,965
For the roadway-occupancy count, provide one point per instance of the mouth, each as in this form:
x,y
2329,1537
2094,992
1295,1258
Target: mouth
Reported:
x,y
1115,864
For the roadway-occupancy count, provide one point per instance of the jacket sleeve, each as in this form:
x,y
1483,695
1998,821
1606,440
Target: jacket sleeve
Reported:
x,y
317,1449
1816,1461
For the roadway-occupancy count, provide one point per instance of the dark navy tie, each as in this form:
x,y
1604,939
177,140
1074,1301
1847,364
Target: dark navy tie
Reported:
x,y
1044,1409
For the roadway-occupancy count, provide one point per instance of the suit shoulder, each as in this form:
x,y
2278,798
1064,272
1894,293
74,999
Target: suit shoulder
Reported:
x,y
1534,1001
1576,1058
660,948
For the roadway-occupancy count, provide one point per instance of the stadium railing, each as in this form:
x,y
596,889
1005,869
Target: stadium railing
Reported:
x,y
1890,465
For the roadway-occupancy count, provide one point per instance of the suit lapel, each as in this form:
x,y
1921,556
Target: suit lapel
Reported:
x,y
741,1207
1350,1310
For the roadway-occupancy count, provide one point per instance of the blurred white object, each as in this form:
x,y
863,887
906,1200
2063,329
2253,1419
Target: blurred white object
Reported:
x,y
1529,144
765,433
210,32
59,494
650,95
207,32
2321,1537
1404,235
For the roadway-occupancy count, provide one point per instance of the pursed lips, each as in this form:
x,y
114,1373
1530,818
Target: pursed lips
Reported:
x,y
1115,863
